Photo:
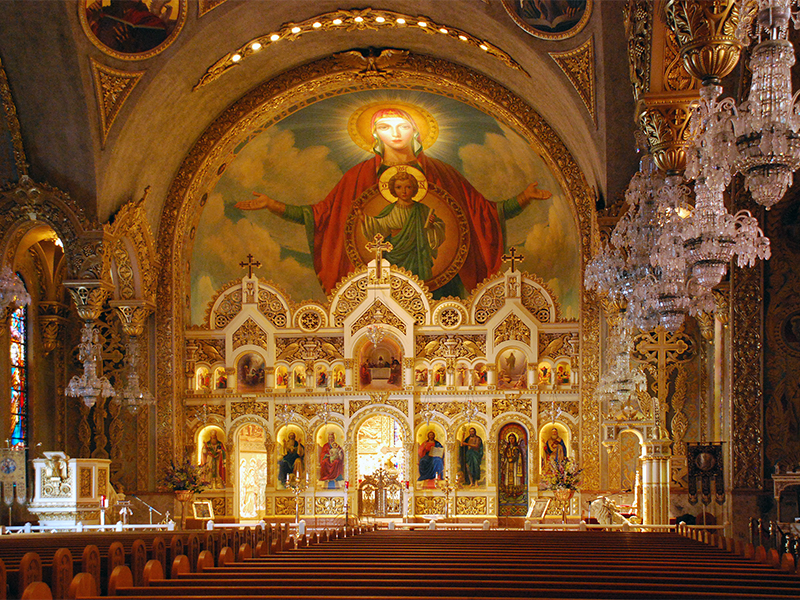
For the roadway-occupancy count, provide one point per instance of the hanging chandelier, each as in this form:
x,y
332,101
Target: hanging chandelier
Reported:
x,y
12,291
619,385
91,385
133,396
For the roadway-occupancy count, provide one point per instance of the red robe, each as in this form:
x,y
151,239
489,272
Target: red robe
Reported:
x,y
330,217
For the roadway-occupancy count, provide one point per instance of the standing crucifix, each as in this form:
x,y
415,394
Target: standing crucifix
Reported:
x,y
378,246
513,257
250,264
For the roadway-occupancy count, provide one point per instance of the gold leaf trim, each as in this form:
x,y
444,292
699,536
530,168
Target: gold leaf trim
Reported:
x,y
112,88
578,66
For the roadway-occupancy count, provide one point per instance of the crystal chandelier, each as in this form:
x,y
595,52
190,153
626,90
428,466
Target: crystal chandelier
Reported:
x,y
766,125
285,414
133,396
90,386
470,411
12,291
619,386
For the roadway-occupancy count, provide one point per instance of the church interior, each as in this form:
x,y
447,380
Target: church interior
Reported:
x,y
464,261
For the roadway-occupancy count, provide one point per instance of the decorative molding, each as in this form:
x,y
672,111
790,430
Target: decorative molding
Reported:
x,y
578,66
112,88
354,20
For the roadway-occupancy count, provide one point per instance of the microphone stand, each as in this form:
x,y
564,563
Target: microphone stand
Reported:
x,y
152,510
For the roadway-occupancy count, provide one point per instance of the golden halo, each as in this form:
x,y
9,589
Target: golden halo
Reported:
x,y
383,182
360,124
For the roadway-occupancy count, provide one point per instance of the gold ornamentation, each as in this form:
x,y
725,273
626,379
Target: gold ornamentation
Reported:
x,y
310,318
429,505
249,334
132,314
272,307
491,300
471,505
328,506
219,505
578,66
663,350
722,304
240,409
12,124
555,344
349,294
706,34
284,95
209,350
52,322
458,346
352,20
512,329
540,300
204,6
410,298
450,315
84,482
131,222
55,486
746,339
399,404
518,404
378,313
675,78
89,297
284,505
665,120
638,15
112,88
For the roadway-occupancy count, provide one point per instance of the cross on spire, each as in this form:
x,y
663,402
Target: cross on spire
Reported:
x,y
378,246
250,264
513,257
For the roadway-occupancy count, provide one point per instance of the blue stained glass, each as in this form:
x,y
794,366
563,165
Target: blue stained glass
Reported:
x,y
19,370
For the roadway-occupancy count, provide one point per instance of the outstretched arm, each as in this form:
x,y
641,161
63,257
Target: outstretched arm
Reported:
x,y
532,192
262,201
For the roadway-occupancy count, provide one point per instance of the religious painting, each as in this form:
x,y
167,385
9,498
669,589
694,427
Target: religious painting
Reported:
x,y
430,455
512,369
330,450
554,442
512,476
202,510
250,373
321,376
291,456
252,452
213,456
202,379
480,375
471,455
338,377
132,29
563,373
380,446
380,367
550,19
544,373
299,376
220,378
450,187
439,376
462,375
421,376
281,377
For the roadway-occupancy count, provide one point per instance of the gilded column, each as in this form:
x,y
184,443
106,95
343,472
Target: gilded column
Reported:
x,y
655,481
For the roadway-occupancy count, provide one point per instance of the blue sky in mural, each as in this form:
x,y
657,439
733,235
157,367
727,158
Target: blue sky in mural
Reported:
x,y
301,158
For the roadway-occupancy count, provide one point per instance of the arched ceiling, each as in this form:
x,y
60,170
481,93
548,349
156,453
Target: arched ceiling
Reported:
x,y
48,59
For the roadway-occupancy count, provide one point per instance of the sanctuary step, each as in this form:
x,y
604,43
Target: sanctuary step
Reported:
x,y
487,565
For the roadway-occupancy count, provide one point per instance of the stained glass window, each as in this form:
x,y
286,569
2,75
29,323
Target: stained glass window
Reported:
x,y
19,376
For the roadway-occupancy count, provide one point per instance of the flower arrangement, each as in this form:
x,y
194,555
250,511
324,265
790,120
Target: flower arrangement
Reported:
x,y
183,476
563,474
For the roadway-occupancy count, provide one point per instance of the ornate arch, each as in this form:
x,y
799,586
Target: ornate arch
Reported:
x,y
533,448
288,92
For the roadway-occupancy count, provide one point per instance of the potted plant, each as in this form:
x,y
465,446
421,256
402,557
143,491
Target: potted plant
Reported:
x,y
563,477
183,478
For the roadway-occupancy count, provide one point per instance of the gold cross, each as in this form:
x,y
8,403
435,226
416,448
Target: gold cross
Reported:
x,y
512,256
378,246
250,264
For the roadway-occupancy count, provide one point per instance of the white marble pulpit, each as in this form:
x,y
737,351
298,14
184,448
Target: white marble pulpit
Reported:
x,y
70,490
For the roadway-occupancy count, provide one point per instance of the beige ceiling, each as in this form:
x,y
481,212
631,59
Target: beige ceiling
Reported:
x,y
48,57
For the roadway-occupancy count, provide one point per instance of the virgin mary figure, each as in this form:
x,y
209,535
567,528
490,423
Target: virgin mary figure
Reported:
x,y
397,140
